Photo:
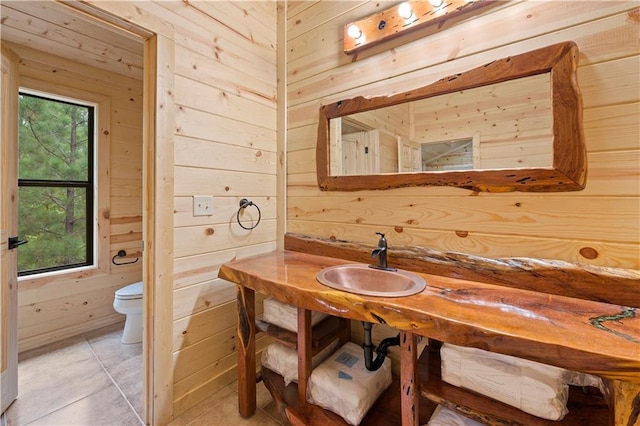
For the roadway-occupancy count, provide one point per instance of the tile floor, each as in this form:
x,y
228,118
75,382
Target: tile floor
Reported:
x,y
93,379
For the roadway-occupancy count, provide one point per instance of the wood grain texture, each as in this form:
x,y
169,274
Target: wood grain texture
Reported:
x,y
246,332
9,84
54,307
608,285
158,190
509,214
410,394
318,69
584,409
395,25
323,333
607,37
385,412
216,69
304,354
483,244
551,329
47,27
626,402
569,152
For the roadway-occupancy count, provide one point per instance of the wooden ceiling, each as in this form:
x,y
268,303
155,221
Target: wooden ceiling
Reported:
x,y
58,29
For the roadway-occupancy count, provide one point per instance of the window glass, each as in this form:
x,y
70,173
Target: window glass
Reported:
x,y
55,181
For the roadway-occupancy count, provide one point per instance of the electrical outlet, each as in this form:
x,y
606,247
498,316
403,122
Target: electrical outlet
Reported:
x,y
202,205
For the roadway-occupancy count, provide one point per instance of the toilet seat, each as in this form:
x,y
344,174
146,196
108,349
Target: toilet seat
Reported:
x,y
130,292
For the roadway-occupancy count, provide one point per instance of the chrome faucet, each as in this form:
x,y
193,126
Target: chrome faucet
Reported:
x,y
381,253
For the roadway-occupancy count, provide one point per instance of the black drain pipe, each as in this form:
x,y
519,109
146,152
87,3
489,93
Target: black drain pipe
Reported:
x,y
369,362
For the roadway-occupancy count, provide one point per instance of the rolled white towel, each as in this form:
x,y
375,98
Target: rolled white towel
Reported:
x,y
284,360
535,388
286,316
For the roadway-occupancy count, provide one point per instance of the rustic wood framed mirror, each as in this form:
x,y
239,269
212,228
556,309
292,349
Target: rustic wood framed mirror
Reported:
x,y
522,131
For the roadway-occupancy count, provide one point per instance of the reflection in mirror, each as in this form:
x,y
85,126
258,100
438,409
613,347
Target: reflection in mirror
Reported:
x,y
452,155
512,124
499,126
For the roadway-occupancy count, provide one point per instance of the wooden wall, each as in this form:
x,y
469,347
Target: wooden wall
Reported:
x,y
511,121
597,226
219,63
225,86
61,305
225,146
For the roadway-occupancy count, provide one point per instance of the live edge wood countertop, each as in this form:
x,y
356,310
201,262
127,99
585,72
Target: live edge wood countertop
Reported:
x,y
580,335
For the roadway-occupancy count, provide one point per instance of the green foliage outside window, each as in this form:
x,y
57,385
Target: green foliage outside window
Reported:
x,y
55,183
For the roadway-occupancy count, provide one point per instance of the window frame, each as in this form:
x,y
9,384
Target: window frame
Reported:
x,y
87,184
101,163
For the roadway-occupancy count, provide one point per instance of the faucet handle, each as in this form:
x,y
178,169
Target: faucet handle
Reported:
x,y
380,233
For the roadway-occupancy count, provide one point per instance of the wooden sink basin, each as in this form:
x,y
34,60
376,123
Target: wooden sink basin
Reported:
x,y
361,279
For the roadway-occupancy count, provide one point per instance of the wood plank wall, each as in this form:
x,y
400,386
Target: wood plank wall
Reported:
x,y
225,146
63,305
225,80
596,226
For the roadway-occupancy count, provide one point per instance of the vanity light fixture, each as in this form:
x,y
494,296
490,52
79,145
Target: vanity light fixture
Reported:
x,y
405,11
354,32
403,18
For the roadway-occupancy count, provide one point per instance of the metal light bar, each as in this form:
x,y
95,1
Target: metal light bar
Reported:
x,y
402,19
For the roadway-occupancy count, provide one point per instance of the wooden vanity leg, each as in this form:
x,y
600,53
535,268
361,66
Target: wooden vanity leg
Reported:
x,y
624,403
409,379
246,333
304,354
345,331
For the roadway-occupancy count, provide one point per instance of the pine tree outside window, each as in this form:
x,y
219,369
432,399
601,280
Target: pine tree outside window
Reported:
x,y
55,183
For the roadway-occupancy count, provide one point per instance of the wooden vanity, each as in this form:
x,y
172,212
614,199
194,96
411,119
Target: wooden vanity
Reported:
x,y
581,335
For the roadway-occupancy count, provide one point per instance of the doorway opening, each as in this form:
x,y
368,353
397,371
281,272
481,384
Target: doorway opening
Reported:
x,y
58,306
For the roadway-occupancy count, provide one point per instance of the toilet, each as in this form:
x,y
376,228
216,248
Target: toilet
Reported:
x,y
128,301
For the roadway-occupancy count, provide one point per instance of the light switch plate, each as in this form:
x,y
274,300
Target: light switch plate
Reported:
x,y
202,205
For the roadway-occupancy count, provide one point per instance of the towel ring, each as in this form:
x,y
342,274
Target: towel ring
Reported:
x,y
244,203
122,253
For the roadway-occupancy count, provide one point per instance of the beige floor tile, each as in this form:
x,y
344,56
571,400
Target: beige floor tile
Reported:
x,y
65,383
272,411
122,361
59,355
106,344
48,381
196,411
263,397
105,407
129,377
72,382
225,402
225,413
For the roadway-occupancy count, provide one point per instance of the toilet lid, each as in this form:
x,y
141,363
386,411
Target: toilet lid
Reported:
x,y
132,291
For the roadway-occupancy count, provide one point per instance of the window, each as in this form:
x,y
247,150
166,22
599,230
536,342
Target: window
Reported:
x,y
449,155
55,183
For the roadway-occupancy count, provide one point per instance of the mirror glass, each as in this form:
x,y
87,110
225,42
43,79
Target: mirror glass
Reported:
x,y
501,125
514,124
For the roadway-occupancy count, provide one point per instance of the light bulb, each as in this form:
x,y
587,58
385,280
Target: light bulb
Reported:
x,y
354,32
404,10
436,3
